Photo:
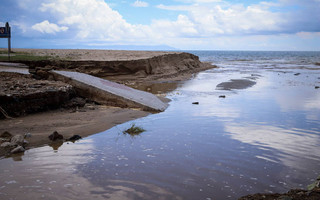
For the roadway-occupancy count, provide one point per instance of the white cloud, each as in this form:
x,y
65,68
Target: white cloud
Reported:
x,y
93,19
140,4
175,8
294,144
47,27
200,1
232,19
182,27
199,24
308,35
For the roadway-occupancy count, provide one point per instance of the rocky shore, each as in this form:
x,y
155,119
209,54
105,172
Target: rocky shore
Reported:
x,y
295,194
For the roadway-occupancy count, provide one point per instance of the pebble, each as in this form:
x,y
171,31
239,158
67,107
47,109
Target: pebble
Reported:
x,y
17,140
6,145
75,137
6,134
55,136
18,149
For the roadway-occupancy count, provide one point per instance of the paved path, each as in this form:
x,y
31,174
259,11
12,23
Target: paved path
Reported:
x,y
8,64
105,89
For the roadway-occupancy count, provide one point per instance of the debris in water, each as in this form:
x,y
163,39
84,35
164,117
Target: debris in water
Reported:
x,y
134,130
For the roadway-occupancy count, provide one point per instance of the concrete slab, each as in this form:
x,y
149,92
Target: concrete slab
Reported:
x,y
106,92
13,68
8,64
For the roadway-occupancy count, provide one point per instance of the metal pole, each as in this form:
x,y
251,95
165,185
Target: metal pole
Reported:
x,y
9,38
9,47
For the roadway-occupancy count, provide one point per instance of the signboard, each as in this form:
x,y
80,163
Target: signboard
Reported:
x,y
5,32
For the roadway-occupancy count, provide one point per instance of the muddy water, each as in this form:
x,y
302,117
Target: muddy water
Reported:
x,y
262,137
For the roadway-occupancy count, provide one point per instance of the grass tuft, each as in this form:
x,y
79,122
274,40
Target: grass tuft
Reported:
x,y
21,56
134,130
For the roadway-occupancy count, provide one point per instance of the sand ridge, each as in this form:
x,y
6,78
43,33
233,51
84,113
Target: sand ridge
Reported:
x,y
94,55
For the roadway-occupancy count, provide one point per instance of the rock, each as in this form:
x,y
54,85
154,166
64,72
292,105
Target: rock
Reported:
x,y
42,73
27,135
315,184
55,136
18,149
285,198
79,101
6,134
196,103
25,142
2,140
6,145
297,74
222,96
75,137
316,87
75,102
17,140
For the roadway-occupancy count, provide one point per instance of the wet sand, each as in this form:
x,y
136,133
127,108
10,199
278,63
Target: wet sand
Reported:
x,y
235,84
83,122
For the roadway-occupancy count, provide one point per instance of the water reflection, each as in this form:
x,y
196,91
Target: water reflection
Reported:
x,y
18,156
260,139
56,144
293,144
158,88
46,174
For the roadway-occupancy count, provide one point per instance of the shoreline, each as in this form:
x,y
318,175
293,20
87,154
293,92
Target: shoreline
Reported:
x,y
85,121
92,118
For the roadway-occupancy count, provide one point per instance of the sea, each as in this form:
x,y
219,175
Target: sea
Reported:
x,y
251,125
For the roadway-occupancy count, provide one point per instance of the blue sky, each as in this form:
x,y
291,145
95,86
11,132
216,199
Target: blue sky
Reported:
x,y
181,24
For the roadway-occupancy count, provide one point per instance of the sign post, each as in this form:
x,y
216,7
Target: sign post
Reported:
x,y
5,32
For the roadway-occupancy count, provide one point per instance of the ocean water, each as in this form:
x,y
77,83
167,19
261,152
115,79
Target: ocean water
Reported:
x,y
263,137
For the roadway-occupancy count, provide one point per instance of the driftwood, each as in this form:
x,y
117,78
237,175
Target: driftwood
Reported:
x,y
5,113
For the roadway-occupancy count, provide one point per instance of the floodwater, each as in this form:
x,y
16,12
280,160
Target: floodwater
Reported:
x,y
261,137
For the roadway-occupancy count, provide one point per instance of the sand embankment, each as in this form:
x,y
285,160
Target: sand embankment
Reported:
x,y
120,66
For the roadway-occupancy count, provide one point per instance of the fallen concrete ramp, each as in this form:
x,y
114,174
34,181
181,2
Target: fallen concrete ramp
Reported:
x,y
110,93
14,67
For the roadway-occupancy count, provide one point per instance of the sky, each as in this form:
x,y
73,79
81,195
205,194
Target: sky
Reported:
x,y
274,25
